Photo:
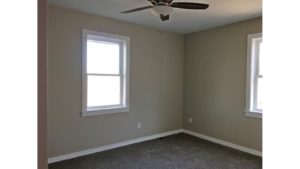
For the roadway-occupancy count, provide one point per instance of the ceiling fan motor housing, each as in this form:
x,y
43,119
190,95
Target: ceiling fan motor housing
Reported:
x,y
161,10
158,2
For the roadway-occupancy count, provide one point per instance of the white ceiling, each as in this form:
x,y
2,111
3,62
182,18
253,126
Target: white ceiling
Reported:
x,y
220,12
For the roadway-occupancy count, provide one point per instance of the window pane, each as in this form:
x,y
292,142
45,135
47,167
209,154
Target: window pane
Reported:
x,y
260,93
261,60
103,90
260,80
102,57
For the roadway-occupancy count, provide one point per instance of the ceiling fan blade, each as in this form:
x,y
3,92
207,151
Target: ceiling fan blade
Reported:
x,y
164,17
137,9
189,5
153,2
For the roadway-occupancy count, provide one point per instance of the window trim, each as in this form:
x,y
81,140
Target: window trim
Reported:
x,y
252,75
124,73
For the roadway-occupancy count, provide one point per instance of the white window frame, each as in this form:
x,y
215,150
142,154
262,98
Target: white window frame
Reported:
x,y
253,51
124,43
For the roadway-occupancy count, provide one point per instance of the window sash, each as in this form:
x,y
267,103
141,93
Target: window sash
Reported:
x,y
121,94
121,45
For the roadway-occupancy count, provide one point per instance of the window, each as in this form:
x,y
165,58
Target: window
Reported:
x,y
105,73
255,69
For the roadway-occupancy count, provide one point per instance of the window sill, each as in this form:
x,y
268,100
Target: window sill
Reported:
x,y
253,114
86,113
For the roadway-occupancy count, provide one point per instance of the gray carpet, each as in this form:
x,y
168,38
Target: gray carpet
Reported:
x,y
179,151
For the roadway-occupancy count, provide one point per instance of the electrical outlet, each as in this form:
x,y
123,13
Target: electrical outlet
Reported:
x,y
139,125
190,120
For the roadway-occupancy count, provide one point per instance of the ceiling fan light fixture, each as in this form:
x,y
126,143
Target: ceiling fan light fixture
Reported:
x,y
161,10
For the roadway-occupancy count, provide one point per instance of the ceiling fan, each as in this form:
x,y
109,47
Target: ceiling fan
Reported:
x,y
163,8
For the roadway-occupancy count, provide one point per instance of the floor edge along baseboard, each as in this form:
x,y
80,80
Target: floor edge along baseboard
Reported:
x,y
224,143
111,146
151,137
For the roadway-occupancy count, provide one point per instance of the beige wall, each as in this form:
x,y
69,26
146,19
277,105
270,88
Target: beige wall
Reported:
x,y
155,91
214,84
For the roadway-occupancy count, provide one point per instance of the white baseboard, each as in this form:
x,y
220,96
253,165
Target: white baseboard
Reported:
x,y
110,146
224,143
146,138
